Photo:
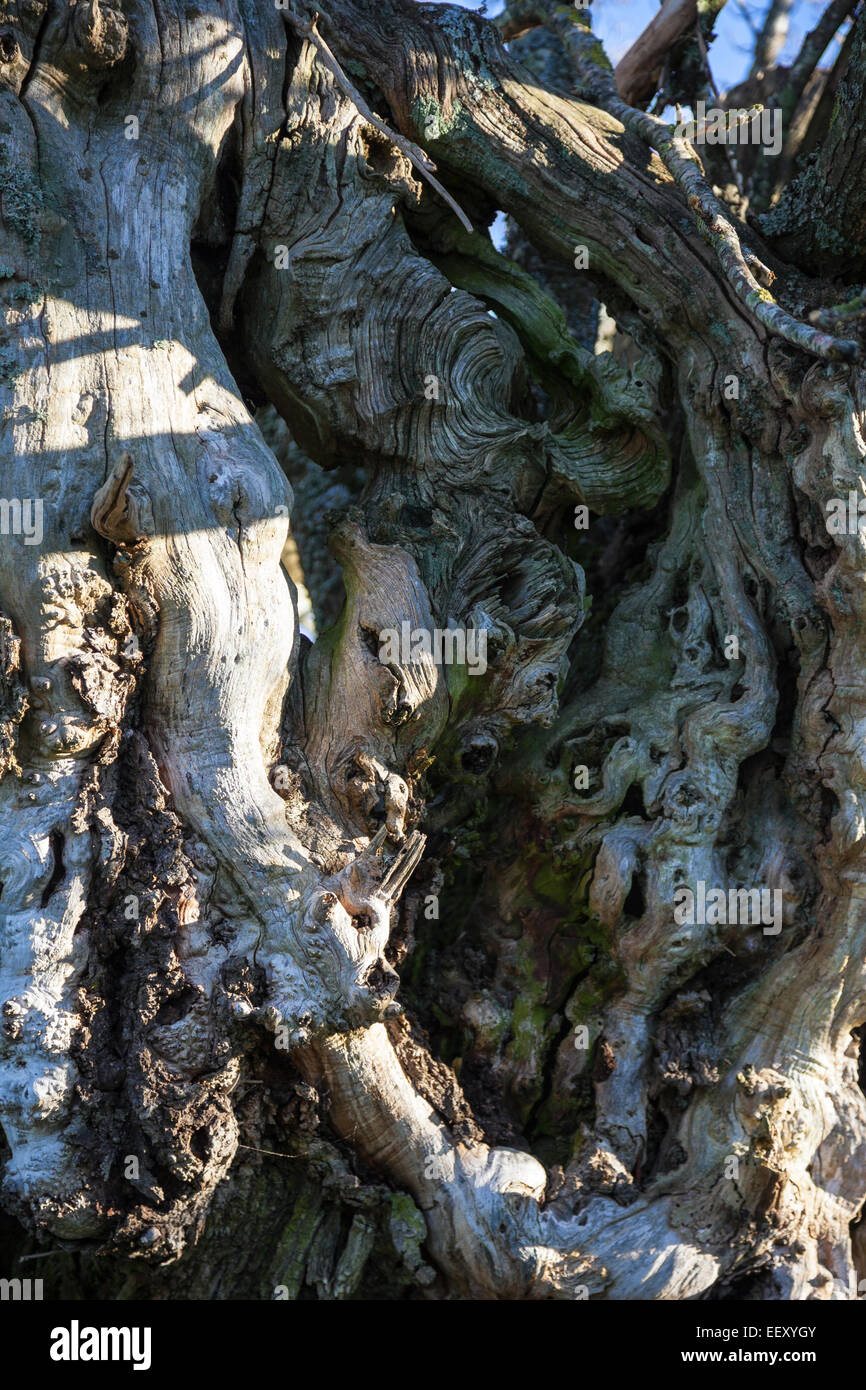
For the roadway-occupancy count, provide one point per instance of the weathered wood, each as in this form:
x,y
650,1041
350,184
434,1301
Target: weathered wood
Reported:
x,y
224,849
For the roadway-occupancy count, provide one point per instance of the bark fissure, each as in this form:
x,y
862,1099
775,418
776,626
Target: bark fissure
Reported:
x,y
225,845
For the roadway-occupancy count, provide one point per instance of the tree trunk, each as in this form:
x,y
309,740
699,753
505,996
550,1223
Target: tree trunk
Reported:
x,y
576,759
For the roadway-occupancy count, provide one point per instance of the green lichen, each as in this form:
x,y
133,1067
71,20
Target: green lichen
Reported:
x,y
429,118
759,296
594,53
356,68
25,293
530,1022
297,1237
20,199
356,1251
10,370
407,1229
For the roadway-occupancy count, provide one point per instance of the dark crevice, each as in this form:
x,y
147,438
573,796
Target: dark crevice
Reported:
x,y
8,47
58,867
632,803
860,1035
37,52
635,903
176,1008
549,1069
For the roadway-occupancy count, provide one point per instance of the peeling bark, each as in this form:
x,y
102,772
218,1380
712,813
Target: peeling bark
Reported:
x,y
232,233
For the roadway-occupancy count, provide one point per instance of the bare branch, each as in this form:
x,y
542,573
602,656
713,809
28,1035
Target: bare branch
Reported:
x,y
683,164
637,72
771,39
743,11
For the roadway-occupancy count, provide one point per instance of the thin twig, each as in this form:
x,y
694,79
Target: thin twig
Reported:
x,y
272,1153
418,158
852,309
705,59
595,77
770,41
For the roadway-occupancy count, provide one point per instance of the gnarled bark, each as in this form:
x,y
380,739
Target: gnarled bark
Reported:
x,y
226,847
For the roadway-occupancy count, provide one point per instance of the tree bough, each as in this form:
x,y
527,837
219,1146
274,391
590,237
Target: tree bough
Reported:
x,y
225,847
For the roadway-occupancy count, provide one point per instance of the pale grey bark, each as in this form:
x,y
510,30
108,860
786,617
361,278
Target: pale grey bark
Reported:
x,y
219,840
